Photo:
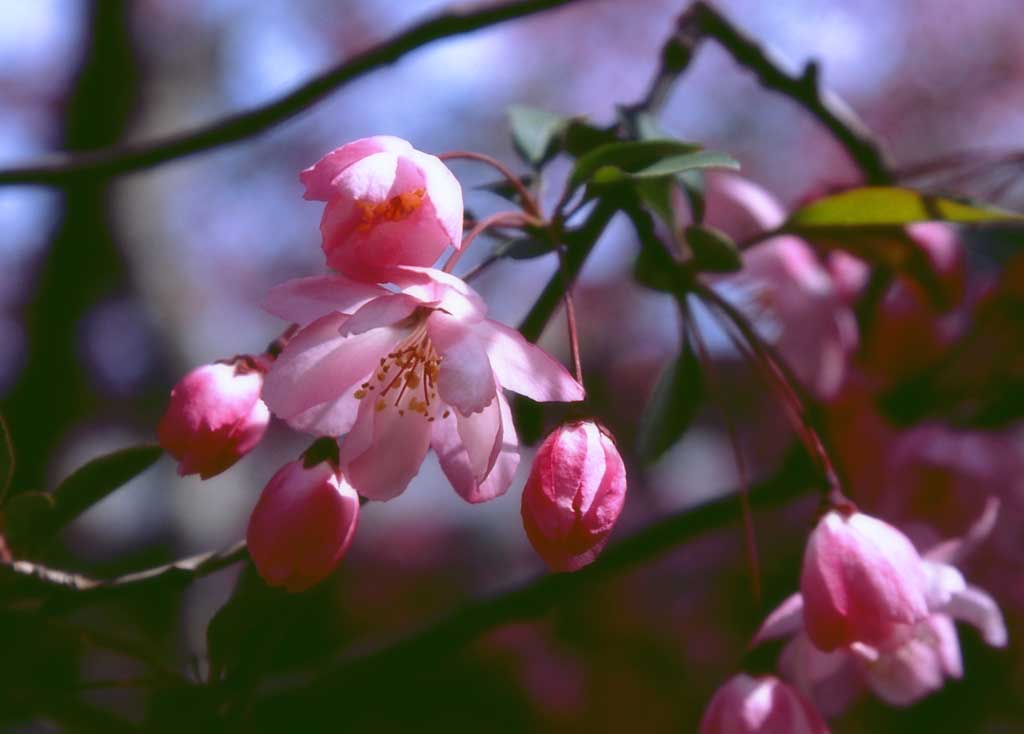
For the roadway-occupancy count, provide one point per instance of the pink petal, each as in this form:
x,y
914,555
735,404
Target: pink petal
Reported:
x,y
448,291
369,179
318,178
787,619
304,300
453,435
318,367
465,379
974,606
525,368
384,451
445,193
383,311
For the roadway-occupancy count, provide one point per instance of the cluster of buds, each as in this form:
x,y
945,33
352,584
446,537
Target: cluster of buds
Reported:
x,y
395,358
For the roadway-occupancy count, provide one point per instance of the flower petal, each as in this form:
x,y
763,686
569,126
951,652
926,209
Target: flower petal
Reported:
x,y
465,379
369,179
450,292
450,440
318,178
383,311
445,193
787,619
317,367
384,451
525,368
304,300
974,606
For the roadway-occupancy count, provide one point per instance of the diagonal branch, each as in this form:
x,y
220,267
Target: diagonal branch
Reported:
x,y
444,637
58,168
701,21
26,579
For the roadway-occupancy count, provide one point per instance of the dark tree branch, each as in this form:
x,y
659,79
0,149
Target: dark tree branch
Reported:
x,y
701,21
24,579
58,168
534,598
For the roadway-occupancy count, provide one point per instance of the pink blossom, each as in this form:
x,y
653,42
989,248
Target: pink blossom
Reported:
x,y
388,204
302,525
574,495
862,581
214,418
909,666
401,372
791,297
765,705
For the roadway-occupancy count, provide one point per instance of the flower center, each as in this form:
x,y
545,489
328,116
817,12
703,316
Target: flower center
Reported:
x,y
406,378
394,209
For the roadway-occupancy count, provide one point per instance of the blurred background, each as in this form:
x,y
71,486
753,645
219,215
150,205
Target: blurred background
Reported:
x,y
112,289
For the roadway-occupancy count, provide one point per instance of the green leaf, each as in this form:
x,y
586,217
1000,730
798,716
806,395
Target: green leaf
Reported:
x,y
524,248
656,194
876,206
93,481
688,162
626,156
581,137
46,513
6,458
672,406
713,250
506,190
535,132
654,268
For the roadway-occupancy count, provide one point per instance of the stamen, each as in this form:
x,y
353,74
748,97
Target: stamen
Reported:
x,y
394,209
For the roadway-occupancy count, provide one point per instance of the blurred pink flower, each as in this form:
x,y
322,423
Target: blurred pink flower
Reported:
x,y
790,296
387,204
302,525
862,581
215,417
574,495
765,705
401,372
909,666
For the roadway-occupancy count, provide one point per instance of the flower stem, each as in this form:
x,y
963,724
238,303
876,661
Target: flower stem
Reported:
x,y
508,218
530,204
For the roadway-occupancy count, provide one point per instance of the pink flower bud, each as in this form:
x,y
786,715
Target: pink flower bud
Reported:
x,y
215,417
574,495
388,204
302,525
766,705
862,581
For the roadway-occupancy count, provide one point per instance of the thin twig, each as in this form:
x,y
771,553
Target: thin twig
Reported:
x,y
701,20
530,204
59,167
505,219
778,373
718,399
23,578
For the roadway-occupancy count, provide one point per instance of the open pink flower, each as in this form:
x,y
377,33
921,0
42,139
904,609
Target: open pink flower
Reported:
x,y
862,581
574,495
214,418
401,372
765,705
302,525
908,667
388,204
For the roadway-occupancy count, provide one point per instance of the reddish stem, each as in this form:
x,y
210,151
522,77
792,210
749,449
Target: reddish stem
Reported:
x,y
515,219
749,534
529,202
